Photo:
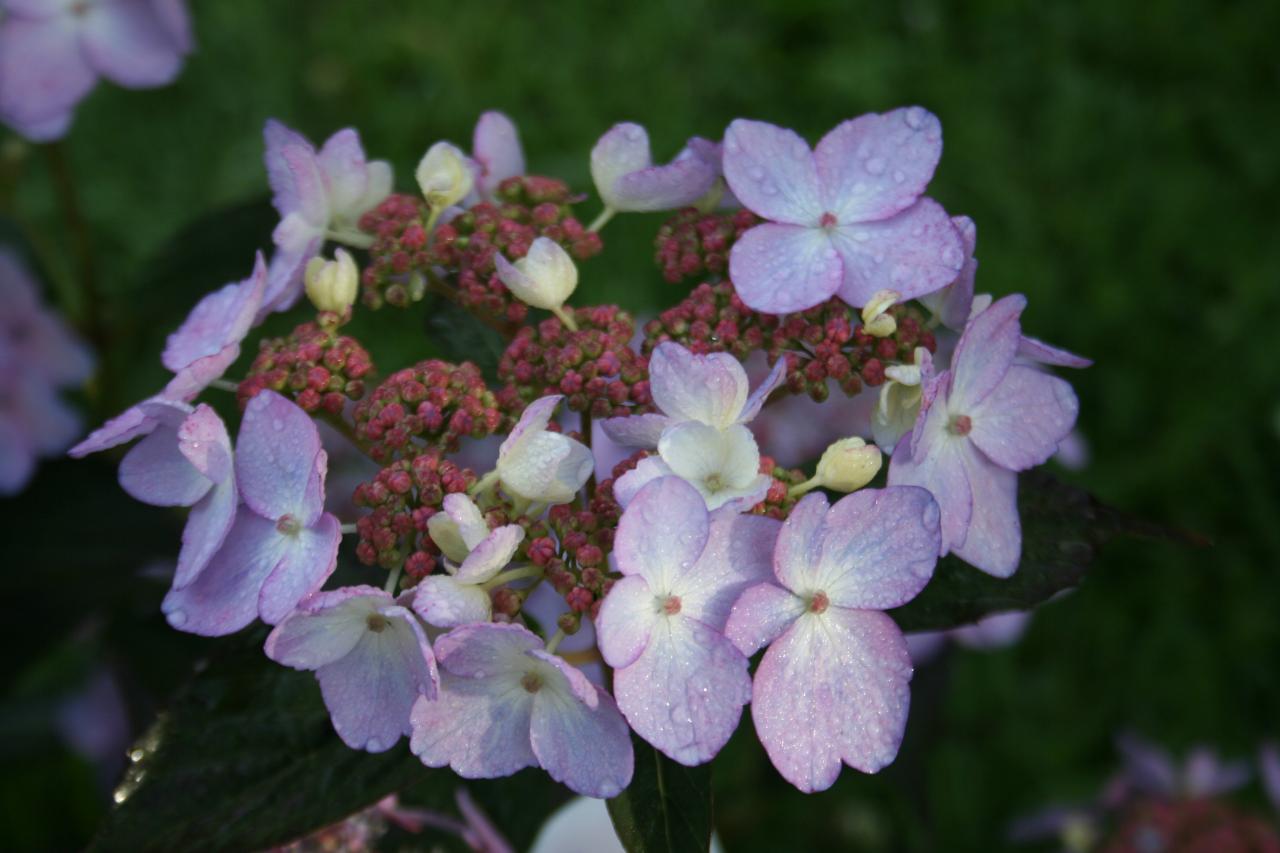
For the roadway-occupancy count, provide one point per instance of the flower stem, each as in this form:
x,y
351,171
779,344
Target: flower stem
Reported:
x,y
554,642
351,237
484,483
807,486
602,220
224,385
565,317
511,575
348,529
392,580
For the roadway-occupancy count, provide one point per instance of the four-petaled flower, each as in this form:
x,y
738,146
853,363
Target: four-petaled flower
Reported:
x,y
371,656
283,545
980,423
680,683
474,555
847,218
507,703
833,687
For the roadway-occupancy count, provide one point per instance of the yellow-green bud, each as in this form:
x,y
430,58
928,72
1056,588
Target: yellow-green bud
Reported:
x,y
444,176
874,319
848,465
332,285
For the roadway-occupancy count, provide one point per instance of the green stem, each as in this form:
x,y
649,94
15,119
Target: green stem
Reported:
x,y
392,580
554,642
603,219
511,575
565,317
351,237
807,486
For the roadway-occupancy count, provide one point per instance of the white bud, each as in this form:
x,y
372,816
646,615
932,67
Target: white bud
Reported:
x,y
332,285
544,278
444,175
848,465
874,319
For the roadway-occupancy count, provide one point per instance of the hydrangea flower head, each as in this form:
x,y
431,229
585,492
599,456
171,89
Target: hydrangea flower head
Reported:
x,y
680,683
473,556
318,194
981,422
848,218
283,545
506,703
833,687
624,174
52,53
536,464
370,655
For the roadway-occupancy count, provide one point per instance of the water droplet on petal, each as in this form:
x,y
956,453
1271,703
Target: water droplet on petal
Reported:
x,y
914,118
178,618
756,173
374,745
875,166
953,257
634,134
899,176
277,424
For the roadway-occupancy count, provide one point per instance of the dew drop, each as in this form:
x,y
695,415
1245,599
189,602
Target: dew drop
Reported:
x,y
953,257
479,674
178,618
861,236
799,150
914,118
374,745
277,424
634,134
878,258
756,173
899,176
769,188
875,166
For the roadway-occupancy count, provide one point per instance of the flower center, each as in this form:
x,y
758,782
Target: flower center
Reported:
x,y
671,605
959,425
828,221
714,483
531,682
819,603
377,623
288,525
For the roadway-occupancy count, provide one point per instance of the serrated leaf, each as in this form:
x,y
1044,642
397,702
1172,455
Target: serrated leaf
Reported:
x,y
1062,528
667,808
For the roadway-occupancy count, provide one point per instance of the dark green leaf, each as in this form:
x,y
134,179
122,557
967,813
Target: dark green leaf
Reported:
x,y
667,808
459,336
1062,528
245,758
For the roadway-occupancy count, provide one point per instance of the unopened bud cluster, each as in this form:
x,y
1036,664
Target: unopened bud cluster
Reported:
x,y
428,406
317,367
401,499
594,367
695,245
826,342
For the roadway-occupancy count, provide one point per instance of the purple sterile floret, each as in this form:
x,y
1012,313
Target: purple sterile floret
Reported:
x,y
282,546
832,688
624,174
371,656
496,152
981,422
847,218
52,54
506,703
679,682
316,192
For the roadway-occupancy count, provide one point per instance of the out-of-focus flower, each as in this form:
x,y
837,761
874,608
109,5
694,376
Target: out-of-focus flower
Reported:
x,y
833,687
981,422
626,179
320,195
370,655
52,53
283,545
506,703
583,825
848,218
473,556
680,683
39,355
535,464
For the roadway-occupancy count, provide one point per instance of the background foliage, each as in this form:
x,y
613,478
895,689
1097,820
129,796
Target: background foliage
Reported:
x,y
1122,165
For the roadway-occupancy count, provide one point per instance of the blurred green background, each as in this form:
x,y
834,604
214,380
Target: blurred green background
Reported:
x,y
1122,162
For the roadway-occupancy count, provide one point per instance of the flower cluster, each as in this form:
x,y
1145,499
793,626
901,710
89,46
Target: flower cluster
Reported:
x,y
592,365
485,528
39,356
316,366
